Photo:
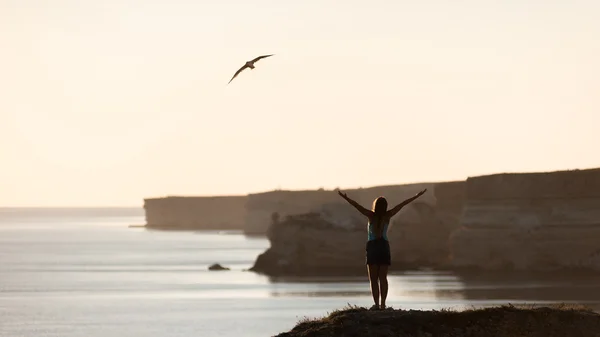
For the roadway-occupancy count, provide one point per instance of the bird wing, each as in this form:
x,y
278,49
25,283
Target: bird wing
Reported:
x,y
261,57
237,72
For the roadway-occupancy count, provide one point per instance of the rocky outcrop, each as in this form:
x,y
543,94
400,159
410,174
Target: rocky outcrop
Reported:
x,y
217,267
531,221
332,240
196,213
309,245
557,321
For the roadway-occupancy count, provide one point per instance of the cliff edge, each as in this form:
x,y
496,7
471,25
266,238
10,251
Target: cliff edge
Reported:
x,y
508,320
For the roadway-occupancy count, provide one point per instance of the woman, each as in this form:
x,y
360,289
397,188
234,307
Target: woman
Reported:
x,y
378,247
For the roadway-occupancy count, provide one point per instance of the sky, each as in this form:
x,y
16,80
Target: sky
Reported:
x,y
104,103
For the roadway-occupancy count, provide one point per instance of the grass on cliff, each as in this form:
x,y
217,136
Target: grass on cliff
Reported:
x,y
505,321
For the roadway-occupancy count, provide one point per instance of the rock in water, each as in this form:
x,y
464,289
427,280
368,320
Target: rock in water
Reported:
x,y
217,266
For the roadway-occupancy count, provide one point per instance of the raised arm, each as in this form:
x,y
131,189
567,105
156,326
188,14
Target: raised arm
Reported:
x,y
398,207
356,205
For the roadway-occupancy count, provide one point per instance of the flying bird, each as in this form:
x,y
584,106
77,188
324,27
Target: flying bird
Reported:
x,y
249,64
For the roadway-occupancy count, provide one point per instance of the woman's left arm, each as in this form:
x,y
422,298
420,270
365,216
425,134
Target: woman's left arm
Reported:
x,y
398,207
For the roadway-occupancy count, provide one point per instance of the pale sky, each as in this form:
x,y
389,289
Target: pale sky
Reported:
x,y
104,103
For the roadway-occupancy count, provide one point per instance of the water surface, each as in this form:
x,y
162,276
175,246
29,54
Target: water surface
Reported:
x,y
83,272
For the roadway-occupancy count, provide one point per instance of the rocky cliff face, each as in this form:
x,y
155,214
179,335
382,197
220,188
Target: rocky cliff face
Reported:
x,y
307,244
532,221
449,200
333,239
194,213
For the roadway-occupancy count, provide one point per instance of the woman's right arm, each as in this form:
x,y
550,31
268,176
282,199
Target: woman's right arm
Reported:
x,y
356,205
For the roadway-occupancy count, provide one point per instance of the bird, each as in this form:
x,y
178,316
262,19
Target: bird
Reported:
x,y
249,64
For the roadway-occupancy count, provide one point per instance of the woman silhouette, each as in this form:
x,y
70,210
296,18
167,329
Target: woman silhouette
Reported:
x,y
378,247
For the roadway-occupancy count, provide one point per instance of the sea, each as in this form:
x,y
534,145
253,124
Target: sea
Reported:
x,y
86,273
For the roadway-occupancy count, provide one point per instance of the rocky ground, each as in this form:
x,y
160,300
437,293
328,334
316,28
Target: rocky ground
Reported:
x,y
505,321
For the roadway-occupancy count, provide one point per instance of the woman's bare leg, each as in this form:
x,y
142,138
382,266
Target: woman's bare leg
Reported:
x,y
383,283
373,279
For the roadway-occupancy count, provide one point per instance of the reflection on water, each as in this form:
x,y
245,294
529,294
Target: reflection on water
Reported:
x,y
464,290
582,288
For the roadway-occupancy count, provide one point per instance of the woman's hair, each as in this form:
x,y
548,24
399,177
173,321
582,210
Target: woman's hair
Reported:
x,y
380,206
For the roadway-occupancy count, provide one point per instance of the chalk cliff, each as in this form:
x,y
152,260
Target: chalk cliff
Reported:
x,y
193,213
530,221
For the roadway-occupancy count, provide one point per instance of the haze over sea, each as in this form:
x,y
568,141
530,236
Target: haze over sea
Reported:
x,y
83,272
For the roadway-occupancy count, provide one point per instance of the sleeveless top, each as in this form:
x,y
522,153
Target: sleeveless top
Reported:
x,y
371,230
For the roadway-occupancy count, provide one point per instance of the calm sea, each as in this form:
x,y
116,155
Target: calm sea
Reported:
x,y
84,273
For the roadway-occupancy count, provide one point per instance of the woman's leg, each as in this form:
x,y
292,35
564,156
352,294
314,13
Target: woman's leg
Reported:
x,y
383,283
373,279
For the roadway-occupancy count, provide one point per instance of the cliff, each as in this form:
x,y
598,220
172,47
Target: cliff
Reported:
x,y
449,200
331,241
556,321
253,213
261,206
193,213
530,221
309,245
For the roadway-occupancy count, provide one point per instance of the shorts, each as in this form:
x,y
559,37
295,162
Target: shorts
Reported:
x,y
378,252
